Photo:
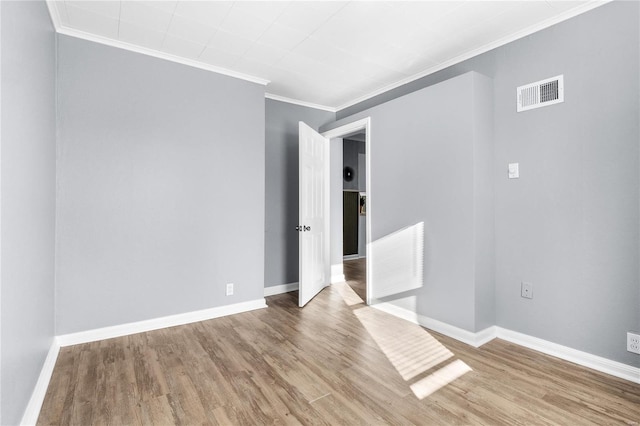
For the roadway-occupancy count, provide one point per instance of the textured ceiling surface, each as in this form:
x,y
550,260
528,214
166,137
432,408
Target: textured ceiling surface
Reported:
x,y
325,53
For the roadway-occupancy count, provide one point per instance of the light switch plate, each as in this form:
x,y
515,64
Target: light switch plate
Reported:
x,y
514,170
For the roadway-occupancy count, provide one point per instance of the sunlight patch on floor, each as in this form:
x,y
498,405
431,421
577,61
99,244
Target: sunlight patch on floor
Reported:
x,y
441,378
349,296
409,347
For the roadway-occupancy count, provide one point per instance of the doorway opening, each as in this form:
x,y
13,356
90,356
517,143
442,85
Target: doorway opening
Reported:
x,y
355,266
354,195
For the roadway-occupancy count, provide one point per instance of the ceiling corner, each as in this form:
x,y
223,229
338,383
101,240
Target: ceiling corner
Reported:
x,y
299,102
54,14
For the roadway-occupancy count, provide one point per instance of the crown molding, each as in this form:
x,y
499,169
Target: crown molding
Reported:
x,y
483,49
54,14
298,102
55,18
161,55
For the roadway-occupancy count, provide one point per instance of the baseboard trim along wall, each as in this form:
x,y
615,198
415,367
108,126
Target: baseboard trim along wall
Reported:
x,y
585,359
474,339
158,323
286,288
32,411
337,276
478,339
279,289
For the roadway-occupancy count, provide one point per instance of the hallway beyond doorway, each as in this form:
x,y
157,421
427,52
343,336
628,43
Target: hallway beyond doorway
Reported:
x,y
355,274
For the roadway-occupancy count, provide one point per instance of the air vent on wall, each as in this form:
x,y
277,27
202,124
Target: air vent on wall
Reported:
x,y
541,93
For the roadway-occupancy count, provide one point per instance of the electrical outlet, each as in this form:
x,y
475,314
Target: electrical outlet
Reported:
x,y
526,290
229,289
514,170
633,342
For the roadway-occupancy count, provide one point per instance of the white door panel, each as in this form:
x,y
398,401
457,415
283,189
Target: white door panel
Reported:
x,y
313,213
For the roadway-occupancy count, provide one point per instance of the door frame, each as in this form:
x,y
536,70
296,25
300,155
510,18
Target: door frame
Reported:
x,y
341,132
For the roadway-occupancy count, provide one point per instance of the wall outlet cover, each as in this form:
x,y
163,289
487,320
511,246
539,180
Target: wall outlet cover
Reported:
x,y
229,289
514,170
526,290
633,342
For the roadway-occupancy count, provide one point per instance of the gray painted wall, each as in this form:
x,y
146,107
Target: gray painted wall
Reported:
x,y
160,188
423,169
0,213
281,181
27,200
484,203
570,224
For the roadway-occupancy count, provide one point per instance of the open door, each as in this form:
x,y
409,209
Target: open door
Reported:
x,y
313,226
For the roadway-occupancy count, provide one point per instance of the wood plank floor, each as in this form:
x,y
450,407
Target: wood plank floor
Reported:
x,y
335,361
355,272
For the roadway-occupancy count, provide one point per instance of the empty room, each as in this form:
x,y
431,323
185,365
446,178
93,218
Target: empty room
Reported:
x,y
319,212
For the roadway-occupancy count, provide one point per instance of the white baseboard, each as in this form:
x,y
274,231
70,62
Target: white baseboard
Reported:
x,y
585,359
158,323
478,339
32,411
286,288
337,273
337,276
470,338
279,289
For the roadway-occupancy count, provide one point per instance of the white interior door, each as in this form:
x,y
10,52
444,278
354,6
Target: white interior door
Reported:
x,y
313,221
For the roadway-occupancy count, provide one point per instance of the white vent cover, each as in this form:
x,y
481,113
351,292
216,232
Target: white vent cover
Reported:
x,y
541,93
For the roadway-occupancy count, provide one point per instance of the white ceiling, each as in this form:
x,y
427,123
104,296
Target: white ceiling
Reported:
x,y
322,53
